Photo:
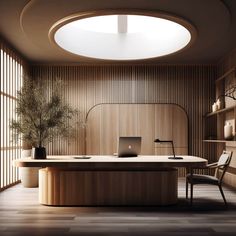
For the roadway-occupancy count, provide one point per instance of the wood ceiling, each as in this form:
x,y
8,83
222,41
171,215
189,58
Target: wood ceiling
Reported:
x,y
26,23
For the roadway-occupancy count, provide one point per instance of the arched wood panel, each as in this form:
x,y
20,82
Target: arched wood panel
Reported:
x,y
107,122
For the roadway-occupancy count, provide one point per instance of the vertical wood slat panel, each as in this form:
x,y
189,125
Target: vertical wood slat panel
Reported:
x,y
109,118
6,107
11,77
190,86
146,124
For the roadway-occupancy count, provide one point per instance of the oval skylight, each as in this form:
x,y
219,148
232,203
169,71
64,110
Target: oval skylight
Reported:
x,y
122,37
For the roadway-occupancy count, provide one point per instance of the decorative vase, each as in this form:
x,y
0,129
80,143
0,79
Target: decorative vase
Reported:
x,y
214,107
25,153
228,131
40,153
218,103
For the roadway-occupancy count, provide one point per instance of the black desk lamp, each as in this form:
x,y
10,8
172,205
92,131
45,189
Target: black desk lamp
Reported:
x,y
173,150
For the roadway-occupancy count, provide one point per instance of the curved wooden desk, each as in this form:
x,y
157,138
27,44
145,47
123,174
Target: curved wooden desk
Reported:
x,y
108,180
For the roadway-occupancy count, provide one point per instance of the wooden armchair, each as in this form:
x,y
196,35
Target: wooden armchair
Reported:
x,y
220,169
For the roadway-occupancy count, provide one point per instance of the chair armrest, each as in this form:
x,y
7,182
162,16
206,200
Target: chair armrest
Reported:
x,y
212,165
222,165
209,166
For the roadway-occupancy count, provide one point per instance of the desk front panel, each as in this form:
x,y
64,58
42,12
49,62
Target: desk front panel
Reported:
x,y
63,187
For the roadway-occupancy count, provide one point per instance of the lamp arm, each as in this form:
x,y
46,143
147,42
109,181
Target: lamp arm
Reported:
x,y
173,149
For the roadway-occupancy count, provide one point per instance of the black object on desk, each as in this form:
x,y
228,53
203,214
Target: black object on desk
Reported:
x,y
81,157
173,149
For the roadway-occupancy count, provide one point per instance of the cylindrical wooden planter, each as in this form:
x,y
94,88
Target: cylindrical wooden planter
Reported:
x,y
29,175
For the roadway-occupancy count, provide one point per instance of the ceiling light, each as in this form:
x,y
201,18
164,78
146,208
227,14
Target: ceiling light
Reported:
x,y
122,37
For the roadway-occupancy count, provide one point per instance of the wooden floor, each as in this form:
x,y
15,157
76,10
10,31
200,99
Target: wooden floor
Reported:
x,y
20,214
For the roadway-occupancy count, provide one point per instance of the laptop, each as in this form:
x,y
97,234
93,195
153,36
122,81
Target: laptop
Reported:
x,y
129,146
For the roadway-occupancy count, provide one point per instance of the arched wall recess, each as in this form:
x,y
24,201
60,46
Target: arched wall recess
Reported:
x,y
106,122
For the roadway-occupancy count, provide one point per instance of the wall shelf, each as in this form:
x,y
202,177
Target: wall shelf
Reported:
x,y
221,111
222,78
219,141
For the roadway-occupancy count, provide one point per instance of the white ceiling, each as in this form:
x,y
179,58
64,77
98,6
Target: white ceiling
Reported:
x,y
26,24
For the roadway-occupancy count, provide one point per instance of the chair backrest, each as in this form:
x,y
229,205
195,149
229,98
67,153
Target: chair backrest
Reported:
x,y
223,164
224,158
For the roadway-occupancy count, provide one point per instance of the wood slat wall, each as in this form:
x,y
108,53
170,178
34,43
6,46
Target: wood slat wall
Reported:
x,y
191,87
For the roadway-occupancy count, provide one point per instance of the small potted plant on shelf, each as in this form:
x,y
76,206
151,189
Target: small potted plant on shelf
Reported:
x,y
41,115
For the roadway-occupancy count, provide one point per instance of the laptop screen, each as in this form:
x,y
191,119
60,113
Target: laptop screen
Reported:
x,y
129,146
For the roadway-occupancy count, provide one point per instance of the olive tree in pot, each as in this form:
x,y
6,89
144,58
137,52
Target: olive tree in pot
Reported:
x,y
42,115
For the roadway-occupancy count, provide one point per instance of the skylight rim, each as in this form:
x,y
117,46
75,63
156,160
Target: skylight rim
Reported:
x,y
163,15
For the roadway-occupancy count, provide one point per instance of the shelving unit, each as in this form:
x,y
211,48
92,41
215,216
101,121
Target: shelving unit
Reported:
x,y
215,121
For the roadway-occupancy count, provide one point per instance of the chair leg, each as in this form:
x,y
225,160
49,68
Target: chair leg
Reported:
x,y
186,188
222,193
191,199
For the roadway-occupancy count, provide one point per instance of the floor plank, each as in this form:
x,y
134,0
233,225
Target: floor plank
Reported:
x,y
20,214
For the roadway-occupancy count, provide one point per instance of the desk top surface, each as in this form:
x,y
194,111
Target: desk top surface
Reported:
x,y
101,162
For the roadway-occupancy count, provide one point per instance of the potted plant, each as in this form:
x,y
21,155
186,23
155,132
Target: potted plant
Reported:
x,y
41,115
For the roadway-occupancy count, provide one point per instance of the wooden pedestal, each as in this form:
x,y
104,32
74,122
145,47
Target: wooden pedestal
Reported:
x,y
65,187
